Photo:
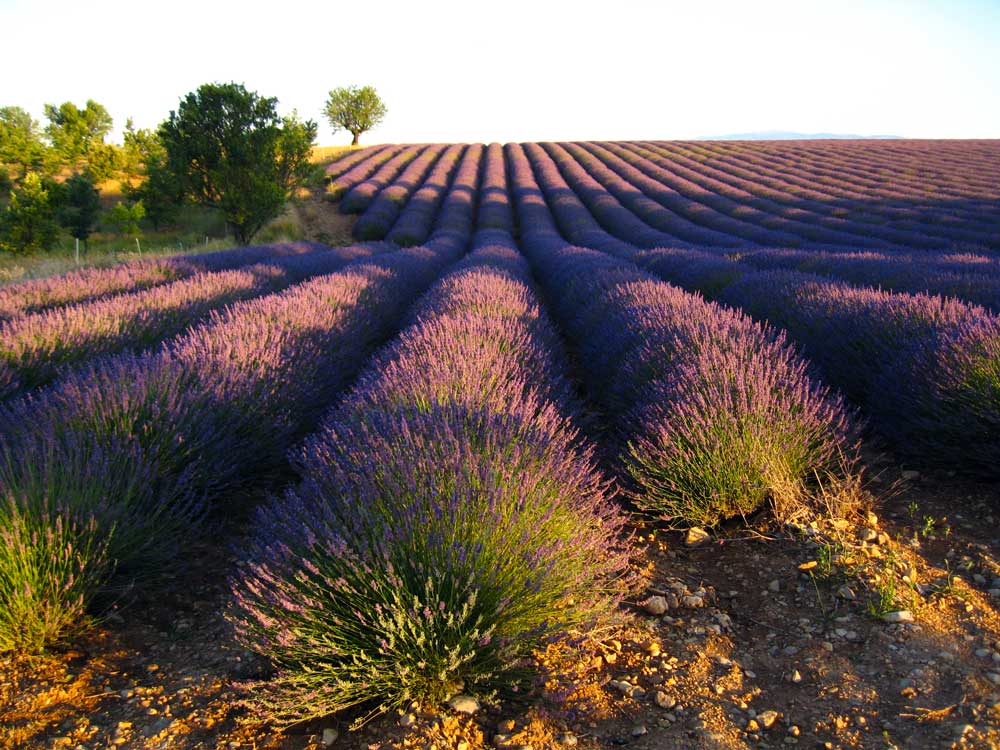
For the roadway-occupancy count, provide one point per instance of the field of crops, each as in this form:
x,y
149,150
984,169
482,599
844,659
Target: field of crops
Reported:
x,y
441,435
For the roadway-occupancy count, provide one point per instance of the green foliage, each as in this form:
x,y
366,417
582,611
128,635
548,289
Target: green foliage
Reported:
x,y
20,140
227,148
104,161
29,222
49,568
81,205
141,148
162,192
74,131
125,218
354,109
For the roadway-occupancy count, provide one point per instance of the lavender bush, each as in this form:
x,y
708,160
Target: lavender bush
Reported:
x,y
714,414
206,414
448,522
94,283
36,348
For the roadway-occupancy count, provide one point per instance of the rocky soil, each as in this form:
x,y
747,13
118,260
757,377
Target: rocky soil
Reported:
x,y
883,633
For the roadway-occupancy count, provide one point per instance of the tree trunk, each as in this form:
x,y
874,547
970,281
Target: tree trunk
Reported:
x,y
356,137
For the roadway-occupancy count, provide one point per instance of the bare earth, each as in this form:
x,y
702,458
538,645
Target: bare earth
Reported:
x,y
752,651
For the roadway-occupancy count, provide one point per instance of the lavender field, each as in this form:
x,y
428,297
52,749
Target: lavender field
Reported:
x,y
445,443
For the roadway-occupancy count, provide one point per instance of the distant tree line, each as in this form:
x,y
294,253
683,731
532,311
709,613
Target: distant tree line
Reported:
x,y
223,147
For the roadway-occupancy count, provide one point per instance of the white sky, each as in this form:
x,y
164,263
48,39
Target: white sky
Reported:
x,y
517,71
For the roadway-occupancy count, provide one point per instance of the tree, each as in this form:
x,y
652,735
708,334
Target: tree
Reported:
x,y
126,218
74,131
80,206
228,149
28,224
162,192
355,110
20,140
138,149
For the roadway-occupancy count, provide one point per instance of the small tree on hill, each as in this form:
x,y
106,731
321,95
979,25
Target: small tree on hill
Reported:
x,y
228,149
80,207
355,110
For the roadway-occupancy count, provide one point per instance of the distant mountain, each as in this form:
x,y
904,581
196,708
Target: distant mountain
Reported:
x,y
784,135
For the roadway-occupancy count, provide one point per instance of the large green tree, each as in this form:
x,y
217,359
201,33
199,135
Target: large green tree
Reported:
x,y
228,149
354,109
74,132
28,224
21,142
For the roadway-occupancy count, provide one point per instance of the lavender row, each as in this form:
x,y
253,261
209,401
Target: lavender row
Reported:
x,y
36,348
696,203
859,229
417,218
620,220
339,185
975,279
792,185
132,448
382,212
628,192
926,369
714,414
359,197
95,283
350,160
447,515
863,230
832,175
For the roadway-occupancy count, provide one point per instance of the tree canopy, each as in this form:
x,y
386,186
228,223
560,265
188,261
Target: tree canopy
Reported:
x,y
20,140
74,132
228,149
354,109
81,205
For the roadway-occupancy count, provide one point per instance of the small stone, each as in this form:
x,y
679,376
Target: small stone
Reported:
x,y
993,677
696,536
693,602
774,586
794,730
330,736
655,605
639,730
568,739
900,615
846,592
653,648
767,718
753,725
867,534
664,701
795,677
464,704
407,720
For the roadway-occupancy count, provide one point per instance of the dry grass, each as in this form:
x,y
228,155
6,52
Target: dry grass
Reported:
x,y
327,154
